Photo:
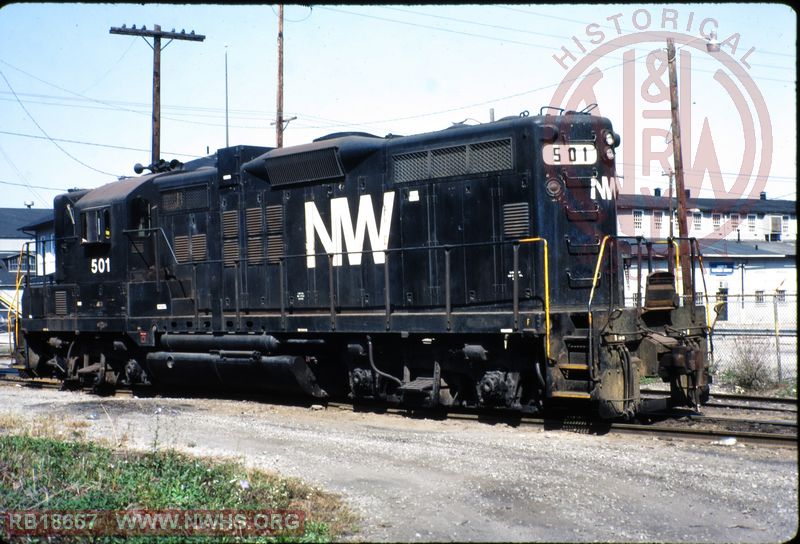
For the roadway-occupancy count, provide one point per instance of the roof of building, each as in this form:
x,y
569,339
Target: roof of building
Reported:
x,y
721,205
15,219
749,249
715,248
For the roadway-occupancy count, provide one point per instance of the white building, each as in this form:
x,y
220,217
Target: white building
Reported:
x,y
748,245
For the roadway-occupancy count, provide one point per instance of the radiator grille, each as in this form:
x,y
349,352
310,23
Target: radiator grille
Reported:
x,y
516,219
60,302
304,167
478,158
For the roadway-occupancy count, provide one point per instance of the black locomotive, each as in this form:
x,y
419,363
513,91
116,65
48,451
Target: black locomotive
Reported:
x,y
474,266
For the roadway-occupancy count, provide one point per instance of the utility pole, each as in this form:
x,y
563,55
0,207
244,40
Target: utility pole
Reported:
x,y
677,156
279,113
227,144
157,35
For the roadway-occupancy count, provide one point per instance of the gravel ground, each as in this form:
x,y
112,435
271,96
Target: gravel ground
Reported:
x,y
423,480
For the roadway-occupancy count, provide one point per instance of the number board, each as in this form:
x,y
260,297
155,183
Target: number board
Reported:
x,y
577,153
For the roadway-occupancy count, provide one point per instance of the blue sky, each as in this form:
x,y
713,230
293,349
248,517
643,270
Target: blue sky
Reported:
x,y
75,100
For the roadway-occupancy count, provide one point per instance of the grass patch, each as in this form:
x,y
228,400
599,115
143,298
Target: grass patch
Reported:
x,y
45,469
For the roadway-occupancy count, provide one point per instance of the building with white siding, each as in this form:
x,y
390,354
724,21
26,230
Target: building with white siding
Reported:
x,y
748,245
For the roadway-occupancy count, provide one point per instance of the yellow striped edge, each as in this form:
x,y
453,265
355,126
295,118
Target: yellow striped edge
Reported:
x,y
570,395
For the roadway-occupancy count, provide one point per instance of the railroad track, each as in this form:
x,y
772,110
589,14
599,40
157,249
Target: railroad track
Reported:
x,y
785,434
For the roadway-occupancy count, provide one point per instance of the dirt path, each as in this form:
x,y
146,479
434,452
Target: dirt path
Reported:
x,y
446,480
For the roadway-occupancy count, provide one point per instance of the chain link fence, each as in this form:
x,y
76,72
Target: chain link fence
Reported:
x,y
755,340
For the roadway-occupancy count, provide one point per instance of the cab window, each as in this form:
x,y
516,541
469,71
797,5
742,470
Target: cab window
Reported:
x,y
96,226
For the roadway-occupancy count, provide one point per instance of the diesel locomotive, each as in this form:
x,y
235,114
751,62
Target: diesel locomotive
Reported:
x,y
475,266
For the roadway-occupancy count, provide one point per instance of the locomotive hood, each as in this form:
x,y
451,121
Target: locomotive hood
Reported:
x,y
114,192
319,160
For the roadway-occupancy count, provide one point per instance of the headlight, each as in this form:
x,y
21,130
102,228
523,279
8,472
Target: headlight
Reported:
x,y
609,139
609,154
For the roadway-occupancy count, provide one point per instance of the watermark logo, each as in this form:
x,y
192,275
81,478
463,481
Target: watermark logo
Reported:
x,y
165,522
726,133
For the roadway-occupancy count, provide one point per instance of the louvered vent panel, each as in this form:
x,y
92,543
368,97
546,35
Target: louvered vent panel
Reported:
x,y
181,248
274,219
199,251
307,166
516,219
255,250
253,221
490,156
60,302
274,248
451,161
230,252
196,197
230,224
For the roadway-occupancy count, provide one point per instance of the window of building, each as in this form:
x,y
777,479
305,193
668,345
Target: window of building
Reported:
x,y
734,221
657,218
759,296
751,222
697,221
13,264
637,221
785,224
780,295
716,220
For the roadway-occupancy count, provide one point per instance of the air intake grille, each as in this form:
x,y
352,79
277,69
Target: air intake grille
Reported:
x,y
255,250
479,158
253,221
304,167
181,248
274,219
230,252
188,199
230,224
60,302
516,219
274,248
199,251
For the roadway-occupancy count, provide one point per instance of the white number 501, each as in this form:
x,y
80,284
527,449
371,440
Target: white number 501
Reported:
x,y
100,266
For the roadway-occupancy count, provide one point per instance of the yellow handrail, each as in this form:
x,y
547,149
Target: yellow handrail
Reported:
x,y
597,271
546,289
15,300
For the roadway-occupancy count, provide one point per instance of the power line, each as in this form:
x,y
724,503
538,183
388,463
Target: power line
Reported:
x,y
68,154
4,182
110,146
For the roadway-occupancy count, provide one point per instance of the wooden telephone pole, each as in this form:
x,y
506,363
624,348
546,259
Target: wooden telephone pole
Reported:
x,y
157,34
677,157
279,113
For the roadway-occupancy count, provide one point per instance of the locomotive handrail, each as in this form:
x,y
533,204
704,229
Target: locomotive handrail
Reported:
x,y
546,290
155,229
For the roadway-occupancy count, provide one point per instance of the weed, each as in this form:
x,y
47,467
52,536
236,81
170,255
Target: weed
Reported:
x,y
747,368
